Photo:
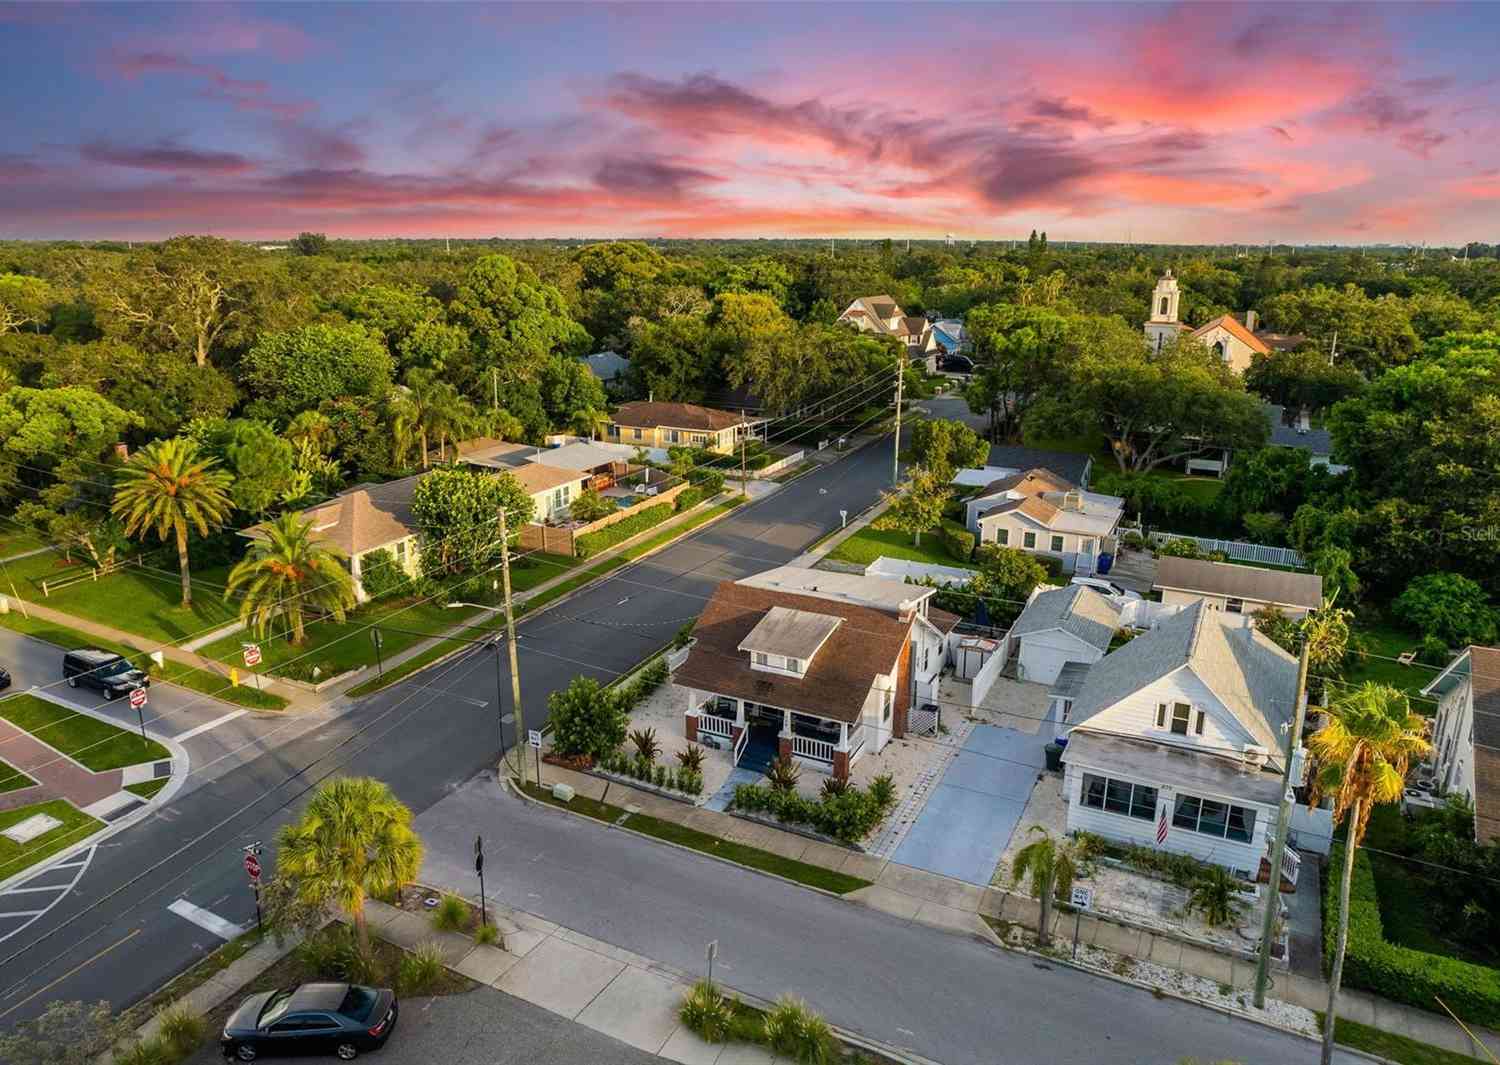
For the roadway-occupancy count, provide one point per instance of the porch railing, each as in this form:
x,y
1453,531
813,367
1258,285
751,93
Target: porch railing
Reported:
x,y
822,750
856,741
716,726
739,745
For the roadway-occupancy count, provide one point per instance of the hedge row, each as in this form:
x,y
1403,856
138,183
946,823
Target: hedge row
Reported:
x,y
1400,973
958,540
591,544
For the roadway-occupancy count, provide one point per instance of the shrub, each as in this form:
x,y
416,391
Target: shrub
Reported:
x,y
153,1051
690,781
1400,973
421,968
752,798
487,934
334,954
1179,549
688,498
706,1012
1215,895
1134,541
647,747
1434,652
587,719
1448,606
641,769
783,774
182,1030
451,914
591,544
957,541
848,817
835,786
590,506
883,790
691,758
380,575
684,636
660,774
794,1031
709,482
1266,527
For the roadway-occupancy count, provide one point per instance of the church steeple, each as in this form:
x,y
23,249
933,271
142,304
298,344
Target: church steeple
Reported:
x,y
1164,299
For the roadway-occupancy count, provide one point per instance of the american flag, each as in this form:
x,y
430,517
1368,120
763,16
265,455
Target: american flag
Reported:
x,y
1161,827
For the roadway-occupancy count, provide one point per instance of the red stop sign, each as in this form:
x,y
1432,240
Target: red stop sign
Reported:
x,y
252,866
137,698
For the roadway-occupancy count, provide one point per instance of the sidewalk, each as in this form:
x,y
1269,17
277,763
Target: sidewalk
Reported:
x,y
953,905
57,776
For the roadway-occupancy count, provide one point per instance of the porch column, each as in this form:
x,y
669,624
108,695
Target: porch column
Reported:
x,y
690,719
785,745
739,712
841,753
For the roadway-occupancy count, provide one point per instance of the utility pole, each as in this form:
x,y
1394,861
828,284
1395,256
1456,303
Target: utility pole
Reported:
x,y
743,490
495,389
1278,847
896,451
510,635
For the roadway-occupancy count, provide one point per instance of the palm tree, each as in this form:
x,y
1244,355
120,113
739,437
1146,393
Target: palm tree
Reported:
x,y
436,409
166,487
354,840
1363,752
1049,865
589,421
285,573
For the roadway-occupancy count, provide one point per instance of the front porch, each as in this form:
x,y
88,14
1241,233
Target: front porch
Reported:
x,y
755,734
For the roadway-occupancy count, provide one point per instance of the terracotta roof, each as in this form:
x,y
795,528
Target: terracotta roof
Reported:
x,y
838,679
1038,508
1235,329
648,415
1240,582
363,519
1484,665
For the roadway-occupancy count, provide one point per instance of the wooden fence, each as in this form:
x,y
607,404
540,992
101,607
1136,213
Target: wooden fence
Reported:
x,y
561,540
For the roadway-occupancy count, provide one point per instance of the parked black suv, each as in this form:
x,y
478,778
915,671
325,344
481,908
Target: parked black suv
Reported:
x,y
105,671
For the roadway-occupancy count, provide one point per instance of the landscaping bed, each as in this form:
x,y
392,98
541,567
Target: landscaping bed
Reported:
x,y
12,779
76,826
97,745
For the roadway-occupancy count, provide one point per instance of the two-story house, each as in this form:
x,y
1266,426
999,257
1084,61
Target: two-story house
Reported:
x,y
1045,514
819,667
883,315
665,425
1174,740
1466,735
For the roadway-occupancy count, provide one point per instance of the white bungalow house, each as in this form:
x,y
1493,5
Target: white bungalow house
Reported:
x,y
1061,625
1043,513
1237,590
1174,740
1466,735
815,666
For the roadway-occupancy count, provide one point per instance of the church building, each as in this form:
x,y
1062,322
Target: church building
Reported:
x,y
1236,342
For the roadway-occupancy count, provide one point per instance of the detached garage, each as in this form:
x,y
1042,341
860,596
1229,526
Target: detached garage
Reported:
x,y
1061,625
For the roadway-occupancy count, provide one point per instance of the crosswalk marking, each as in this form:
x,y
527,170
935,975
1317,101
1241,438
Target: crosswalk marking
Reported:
x,y
215,723
205,919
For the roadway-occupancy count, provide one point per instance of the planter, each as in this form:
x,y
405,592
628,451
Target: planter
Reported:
x,y
630,781
796,830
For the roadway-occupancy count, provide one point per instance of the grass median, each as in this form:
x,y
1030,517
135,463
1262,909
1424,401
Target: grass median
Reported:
x,y
803,873
75,826
96,745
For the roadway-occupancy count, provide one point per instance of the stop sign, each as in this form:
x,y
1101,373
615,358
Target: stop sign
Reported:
x,y
252,654
137,698
252,866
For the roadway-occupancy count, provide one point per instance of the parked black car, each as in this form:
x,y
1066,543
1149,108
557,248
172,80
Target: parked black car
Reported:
x,y
958,364
339,1019
105,671
4,678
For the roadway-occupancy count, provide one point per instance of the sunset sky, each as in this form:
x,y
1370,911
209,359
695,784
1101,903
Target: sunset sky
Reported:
x,y
1151,122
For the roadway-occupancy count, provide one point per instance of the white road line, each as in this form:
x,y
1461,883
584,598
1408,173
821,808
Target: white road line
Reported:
x,y
49,887
215,723
23,913
204,919
453,695
81,864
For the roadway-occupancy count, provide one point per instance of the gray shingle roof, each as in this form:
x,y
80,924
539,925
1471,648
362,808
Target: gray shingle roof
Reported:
x,y
1072,465
1253,677
607,365
1075,609
1240,582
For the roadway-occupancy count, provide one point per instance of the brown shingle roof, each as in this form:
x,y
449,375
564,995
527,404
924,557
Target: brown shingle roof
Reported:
x,y
535,477
1240,582
648,415
1484,670
363,519
838,678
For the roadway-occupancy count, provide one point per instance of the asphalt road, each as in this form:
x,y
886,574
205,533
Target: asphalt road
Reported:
x,y
112,936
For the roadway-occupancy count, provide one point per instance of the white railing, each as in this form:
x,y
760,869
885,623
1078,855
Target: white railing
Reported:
x,y
715,726
1239,550
922,721
822,750
856,740
739,745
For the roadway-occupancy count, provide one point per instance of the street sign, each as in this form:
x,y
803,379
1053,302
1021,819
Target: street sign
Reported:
x,y
252,867
712,950
376,638
137,698
479,854
534,737
1082,897
252,655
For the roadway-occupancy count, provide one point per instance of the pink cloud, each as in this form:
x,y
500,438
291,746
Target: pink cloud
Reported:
x,y
166,156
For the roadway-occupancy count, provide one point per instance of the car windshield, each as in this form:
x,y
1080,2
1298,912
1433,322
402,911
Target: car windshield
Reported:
x,y
115,668
275,1006
359,1002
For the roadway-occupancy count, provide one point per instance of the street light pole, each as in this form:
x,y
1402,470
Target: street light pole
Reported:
x,y
1278,847
510,635
896,449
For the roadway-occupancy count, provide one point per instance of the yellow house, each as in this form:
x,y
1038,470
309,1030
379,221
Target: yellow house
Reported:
x,y
663,425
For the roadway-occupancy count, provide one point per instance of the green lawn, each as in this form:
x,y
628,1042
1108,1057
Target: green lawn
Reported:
x,y
147,789
12,779
1392,1047
95,744
75,826
198,680
869,544
801,872
1387,641
13,542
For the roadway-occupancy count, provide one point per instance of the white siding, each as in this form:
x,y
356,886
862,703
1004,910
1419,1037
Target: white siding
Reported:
x,y
1135,716
1175,597
1243,857
1453,741
1043,654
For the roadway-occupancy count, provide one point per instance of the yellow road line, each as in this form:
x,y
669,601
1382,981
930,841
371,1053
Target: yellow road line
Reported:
x,y
81,965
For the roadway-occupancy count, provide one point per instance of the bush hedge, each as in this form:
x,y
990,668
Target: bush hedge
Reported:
x,y
590,544
958,541
849,816
1400,973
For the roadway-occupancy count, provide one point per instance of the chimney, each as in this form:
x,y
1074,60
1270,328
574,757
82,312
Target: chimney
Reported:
x,y
1073,501
1252,321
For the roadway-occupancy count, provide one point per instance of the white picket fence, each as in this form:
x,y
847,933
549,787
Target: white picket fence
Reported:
x,y
776,467
1239,550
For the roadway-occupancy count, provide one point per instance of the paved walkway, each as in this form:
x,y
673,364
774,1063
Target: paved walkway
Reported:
x,y
954,904
57,776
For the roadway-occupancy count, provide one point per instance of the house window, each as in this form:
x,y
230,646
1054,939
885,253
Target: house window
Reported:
x,y
1002,536
1057,543
638,434
1234,606
1028,539
762,659
1212,818
926,656
1119,797
1161,715
1163,306
1198,724
794,665
1180,714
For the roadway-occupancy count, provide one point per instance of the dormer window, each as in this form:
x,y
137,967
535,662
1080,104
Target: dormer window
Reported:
x,y
786,640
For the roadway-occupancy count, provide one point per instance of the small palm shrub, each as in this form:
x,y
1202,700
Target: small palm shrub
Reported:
x,y
451,914
706,1012
640,769
660,776
421,968
691,758
182,1030
690,781
647,747
883,790
1215,895
833,787
796,1032
783,775
487,934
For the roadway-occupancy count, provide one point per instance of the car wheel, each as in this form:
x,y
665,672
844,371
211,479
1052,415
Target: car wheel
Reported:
x,y
347,1051
245,1052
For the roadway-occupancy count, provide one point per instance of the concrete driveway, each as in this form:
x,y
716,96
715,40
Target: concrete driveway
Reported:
x,y
969,818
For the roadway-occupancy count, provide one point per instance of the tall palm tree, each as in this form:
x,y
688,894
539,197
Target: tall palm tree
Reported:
x,y
405,419
354,840
285,573
1049,866
589,421
166,487
436,409
1363,753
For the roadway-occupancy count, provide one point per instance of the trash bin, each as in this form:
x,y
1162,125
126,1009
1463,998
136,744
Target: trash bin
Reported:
x,y
1054,752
